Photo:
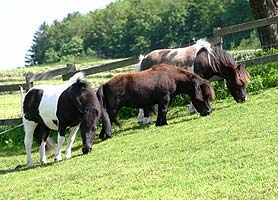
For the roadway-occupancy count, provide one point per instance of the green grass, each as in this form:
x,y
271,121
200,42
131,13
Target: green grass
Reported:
x,y
231,154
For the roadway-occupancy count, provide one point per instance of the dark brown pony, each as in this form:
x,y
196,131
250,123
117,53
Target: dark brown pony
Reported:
x,y
206,61
153,86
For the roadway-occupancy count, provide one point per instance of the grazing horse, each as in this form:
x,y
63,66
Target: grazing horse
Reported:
x,y
157,85
57,107
205,61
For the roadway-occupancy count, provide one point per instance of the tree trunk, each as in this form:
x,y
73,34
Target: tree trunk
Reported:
x,y
268,34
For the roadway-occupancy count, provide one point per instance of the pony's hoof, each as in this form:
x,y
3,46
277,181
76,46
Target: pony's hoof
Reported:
x,y
43,162
57,159
68,156
30,166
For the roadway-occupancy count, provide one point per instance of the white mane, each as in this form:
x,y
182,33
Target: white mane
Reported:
x,y
138,66
203,43
78,76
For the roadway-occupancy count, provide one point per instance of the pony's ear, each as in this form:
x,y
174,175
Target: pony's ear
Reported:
x,y
207,90
243,74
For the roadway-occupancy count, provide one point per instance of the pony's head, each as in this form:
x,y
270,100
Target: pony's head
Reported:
x,y
201,94
87,105
88,128
237,78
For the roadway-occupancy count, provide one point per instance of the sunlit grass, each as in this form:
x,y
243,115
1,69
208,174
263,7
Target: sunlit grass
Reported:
x,y
231,154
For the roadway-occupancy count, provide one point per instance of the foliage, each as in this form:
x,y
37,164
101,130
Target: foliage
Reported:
x,y
131,27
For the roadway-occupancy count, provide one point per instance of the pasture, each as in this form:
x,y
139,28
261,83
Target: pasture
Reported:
x,y
230,154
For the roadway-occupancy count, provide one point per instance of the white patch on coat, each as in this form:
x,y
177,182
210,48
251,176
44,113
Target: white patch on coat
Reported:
x,y
49,102
50,97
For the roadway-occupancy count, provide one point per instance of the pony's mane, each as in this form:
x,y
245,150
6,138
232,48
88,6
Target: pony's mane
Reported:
x,y
221,58
204,44
78,77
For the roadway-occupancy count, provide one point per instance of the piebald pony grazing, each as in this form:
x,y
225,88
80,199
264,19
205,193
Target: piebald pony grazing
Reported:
x,y
70,105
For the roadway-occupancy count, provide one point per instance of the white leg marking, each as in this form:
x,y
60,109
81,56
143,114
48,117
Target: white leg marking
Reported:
x,y
192,109
42,153
147,120
58,156
29,127
140,116
72,136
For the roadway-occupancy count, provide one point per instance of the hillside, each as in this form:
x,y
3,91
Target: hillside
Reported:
x,y
231,154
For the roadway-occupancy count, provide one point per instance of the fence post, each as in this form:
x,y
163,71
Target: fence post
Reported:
x,y
218,42
72,70
28,83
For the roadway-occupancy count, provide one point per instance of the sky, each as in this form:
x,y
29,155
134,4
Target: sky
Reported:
x,y
20,19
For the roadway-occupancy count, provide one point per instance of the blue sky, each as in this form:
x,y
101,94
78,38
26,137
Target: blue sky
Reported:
x,y
20,19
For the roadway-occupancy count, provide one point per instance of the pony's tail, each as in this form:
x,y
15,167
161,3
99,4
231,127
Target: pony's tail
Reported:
x,y
106,131
101,98
22,99
138,66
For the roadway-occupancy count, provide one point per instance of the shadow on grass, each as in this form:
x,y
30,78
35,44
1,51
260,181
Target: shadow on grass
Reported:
x,y
22,168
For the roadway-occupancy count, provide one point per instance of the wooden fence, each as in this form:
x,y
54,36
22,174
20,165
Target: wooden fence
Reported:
x,y
70,69
65,72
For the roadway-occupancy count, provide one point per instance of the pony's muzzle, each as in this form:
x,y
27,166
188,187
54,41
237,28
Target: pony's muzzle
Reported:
x,y
242,100
205,113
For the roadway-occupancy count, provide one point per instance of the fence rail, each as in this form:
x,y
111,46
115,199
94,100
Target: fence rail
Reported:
x,y
65,72
105,67
245,26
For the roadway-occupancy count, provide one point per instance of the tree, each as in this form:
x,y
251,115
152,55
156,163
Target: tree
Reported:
x,y
269,34
40,45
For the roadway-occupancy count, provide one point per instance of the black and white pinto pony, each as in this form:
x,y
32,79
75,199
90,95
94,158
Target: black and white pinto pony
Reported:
x,y
157,85
57,107
204,60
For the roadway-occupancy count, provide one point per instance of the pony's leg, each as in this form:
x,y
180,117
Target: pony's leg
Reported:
x,y
29,127
147,118
72,136
61,139
140,117
43,133
42,153
191,108
161,117
106,128
162,111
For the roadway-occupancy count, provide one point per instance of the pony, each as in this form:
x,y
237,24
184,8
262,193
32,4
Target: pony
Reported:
x,y
157,85
204,60
70,105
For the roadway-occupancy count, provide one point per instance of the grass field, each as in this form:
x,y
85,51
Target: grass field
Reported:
x,y
231,154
